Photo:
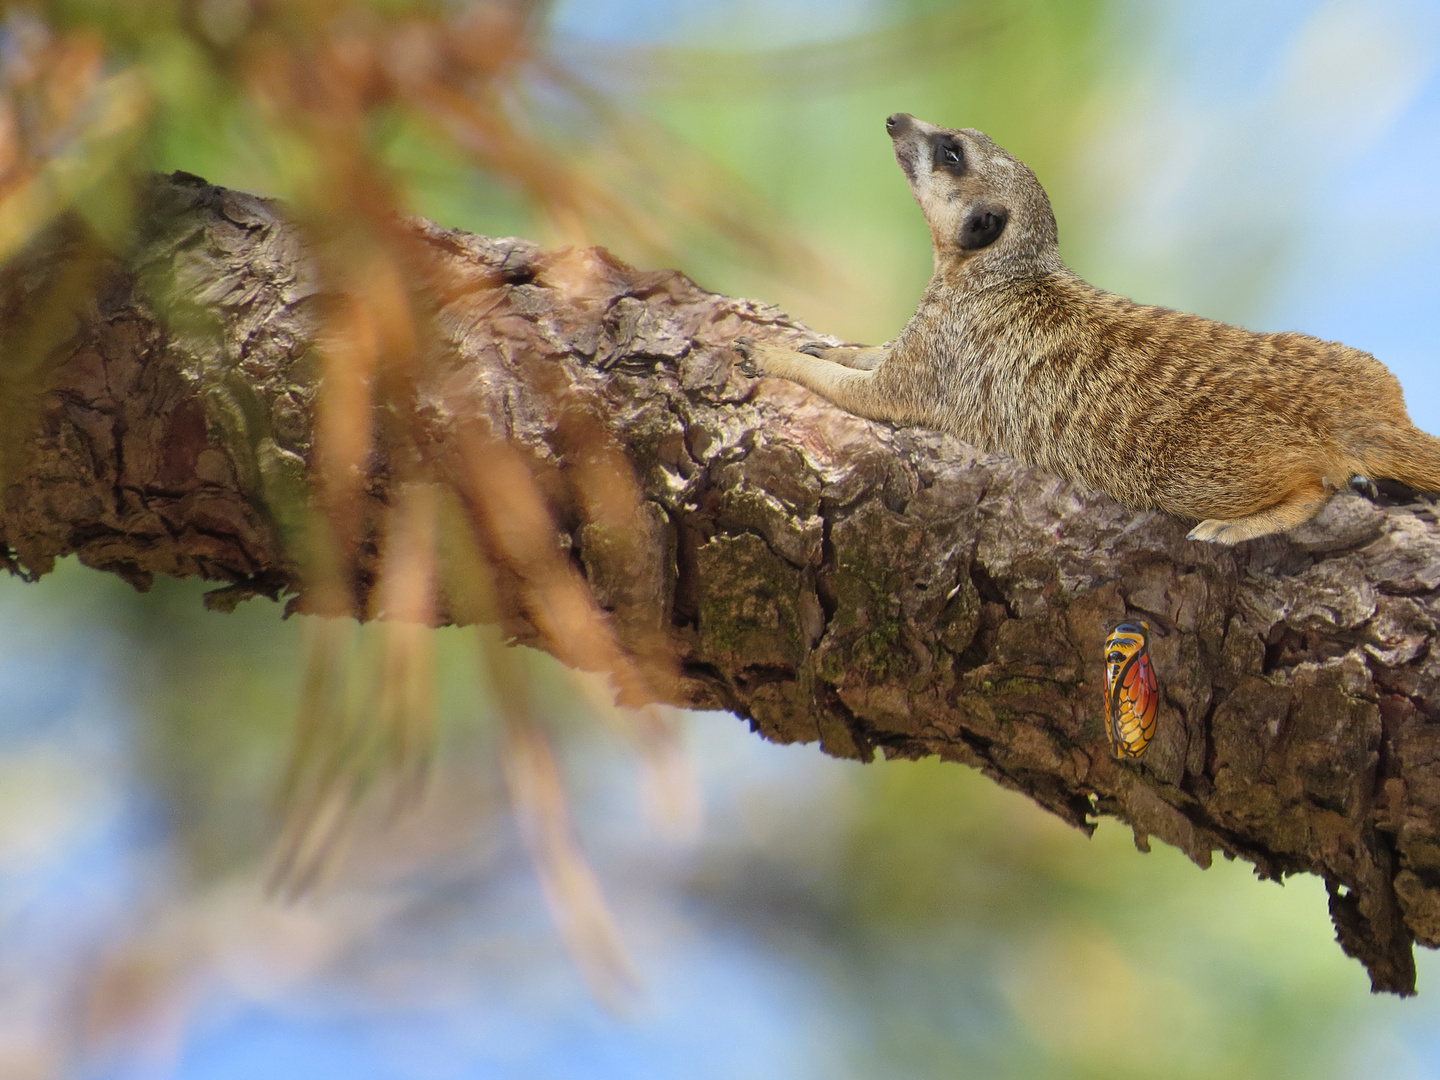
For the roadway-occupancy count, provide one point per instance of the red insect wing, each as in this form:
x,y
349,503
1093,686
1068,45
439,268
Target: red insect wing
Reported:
x,y
1141,688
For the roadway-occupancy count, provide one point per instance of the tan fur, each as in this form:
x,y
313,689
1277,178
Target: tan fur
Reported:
x,y
1011,351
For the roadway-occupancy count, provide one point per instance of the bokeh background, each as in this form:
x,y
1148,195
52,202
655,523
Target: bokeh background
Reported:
x,y
1269,163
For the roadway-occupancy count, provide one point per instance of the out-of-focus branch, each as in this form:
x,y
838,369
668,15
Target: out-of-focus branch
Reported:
x,y
830,579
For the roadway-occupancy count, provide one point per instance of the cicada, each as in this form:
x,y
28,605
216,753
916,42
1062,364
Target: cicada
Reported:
x,y
1132,695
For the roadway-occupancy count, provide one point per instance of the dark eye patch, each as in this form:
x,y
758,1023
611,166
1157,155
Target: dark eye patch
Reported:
x,y
949,155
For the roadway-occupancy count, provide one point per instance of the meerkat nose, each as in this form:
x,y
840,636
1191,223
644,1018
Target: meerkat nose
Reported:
x,y
897,122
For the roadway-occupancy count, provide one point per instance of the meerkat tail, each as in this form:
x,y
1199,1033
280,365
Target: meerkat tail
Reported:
x,y
1409,456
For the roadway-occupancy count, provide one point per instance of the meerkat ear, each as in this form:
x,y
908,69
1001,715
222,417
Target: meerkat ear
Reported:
x,y
983,227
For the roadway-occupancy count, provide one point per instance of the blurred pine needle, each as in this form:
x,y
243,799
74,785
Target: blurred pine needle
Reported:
x,y
86,92
537,795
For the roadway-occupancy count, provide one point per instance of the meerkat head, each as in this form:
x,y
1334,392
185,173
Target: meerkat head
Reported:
x,y
984,207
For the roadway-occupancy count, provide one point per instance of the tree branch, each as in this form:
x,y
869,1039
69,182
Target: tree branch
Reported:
x,y
830,579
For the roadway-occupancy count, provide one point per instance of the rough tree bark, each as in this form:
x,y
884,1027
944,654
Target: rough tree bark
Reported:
x,y
827,578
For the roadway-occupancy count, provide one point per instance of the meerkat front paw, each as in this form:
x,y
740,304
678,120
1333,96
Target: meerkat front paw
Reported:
x,y
745,346
759,358
816,349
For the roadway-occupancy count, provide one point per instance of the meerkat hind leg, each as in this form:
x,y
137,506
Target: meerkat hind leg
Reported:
x,y
1295,509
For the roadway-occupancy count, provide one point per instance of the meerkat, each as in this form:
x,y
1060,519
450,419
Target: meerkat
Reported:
x,y
1011,351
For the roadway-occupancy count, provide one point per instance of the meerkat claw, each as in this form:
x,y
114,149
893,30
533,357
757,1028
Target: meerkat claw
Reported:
x,y
1365,486
813,348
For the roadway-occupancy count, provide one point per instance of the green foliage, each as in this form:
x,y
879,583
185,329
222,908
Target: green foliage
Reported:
x,y
1090,959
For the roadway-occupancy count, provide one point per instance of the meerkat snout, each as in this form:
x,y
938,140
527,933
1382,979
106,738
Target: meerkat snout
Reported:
x,y
899,126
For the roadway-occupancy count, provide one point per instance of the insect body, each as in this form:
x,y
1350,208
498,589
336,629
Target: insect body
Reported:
x,y
1132,695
